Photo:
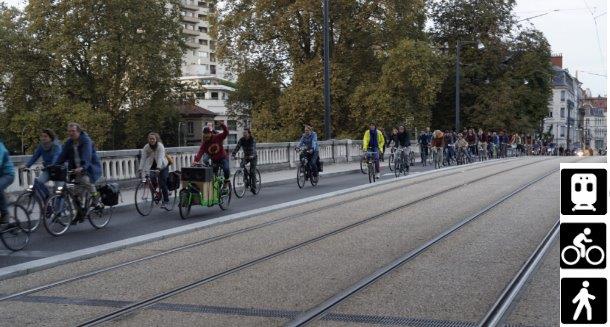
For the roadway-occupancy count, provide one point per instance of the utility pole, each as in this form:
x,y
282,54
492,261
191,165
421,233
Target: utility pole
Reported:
x,y
327,123
457,86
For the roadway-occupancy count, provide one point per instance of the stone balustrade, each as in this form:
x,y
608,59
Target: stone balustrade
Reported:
x,y
122,165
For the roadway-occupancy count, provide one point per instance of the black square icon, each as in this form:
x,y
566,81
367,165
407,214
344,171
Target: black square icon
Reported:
x,y
583,246
583,300
583,191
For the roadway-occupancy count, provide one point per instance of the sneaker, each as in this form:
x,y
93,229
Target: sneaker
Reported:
x,y
165,205
378,176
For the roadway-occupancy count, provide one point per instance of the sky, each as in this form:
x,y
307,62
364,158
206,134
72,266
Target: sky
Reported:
x,y
569,25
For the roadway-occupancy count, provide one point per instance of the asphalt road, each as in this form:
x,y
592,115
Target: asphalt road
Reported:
x,y
128,223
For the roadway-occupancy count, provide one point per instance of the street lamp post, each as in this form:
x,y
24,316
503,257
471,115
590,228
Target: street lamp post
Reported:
x,y
327,124
458,48
179,124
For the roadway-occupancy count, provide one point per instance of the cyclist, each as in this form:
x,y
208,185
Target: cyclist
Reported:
x,y
580,238
373,141
423,142
49,149
438,142
401,140
483,139
309,141
212,146
79,152
461,145
449,141
7,175
471,138
248,144
154,158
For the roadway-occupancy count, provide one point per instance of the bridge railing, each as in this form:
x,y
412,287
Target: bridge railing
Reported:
x,y
122,165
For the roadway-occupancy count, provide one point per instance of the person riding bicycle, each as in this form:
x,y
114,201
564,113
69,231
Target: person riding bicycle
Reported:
x,y
79,152
154,158
449,141
423,142
309,142
7,175
483,139
402,140
471,138
461,145
212,146
49,150
248,144
438,142
373,141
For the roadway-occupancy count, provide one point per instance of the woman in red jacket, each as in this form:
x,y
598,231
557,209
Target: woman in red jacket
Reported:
x,y
211,146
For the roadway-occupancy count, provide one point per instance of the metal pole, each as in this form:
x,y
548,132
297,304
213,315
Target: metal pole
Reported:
x,y
327,124
568,136
457,87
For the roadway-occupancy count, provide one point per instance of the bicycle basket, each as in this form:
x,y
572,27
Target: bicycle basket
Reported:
x,y
197,174
109,194
57,173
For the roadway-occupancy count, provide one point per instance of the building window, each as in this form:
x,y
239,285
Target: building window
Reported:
x,y
213,69
550,114
562,132
562,113
232,138
190,128
563,95
218,122
212,57
214,96
203,42
201,95
203,29
212,45
232,125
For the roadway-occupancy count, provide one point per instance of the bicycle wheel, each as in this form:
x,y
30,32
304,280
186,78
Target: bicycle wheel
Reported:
x,y
33,205
397,167
100,216
184,203
239,184
225,196
391,162
423,158
371,171
16,235
144,198
301,176
314,179
362,165
257,183
59,214
173,200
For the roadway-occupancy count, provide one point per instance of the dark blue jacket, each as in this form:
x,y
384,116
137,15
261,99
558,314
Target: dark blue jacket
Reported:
x,y
89,160
6,165
48,157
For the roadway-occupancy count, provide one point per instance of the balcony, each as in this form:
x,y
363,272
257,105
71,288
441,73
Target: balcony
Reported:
x,y
190,19
192,45
190,5
190,32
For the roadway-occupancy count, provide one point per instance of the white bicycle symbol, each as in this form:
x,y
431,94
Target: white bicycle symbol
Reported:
x,y
578,257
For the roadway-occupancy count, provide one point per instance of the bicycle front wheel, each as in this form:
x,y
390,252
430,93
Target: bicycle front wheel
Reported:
x,y
225,196
100,216
144,199
371,170
16,235
301,176
30,202
397,167
257,183
239,184
59,214
391,161
184,203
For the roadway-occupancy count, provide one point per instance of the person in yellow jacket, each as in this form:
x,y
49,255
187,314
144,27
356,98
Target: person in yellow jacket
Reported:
x,y
373,142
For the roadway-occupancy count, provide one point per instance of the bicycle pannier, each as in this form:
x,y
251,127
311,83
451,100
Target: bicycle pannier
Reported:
x,y
173,181
109,194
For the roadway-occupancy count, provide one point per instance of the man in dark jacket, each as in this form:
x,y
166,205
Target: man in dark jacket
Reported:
x,y
79,153
248,145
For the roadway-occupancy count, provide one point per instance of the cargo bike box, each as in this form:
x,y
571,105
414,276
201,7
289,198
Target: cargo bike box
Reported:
x,y
201,181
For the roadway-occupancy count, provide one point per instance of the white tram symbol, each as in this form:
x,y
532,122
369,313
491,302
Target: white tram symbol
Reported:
x,y
584,191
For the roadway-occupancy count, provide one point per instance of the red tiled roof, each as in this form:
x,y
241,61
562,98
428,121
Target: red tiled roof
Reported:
x,y
191,110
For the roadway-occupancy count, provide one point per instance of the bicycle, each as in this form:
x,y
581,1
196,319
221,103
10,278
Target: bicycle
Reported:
x,y
148,194
482,153
391,158
586,257
370,166
401,166
71,204
437,157
33,199
423,153
15,235
304,172
449,155
462,157
242,180
219,193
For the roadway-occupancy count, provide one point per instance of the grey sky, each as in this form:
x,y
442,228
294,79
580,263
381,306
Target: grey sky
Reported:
x,y
570,31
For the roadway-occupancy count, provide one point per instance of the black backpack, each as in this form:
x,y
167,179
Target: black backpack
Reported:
x,y
173,181
109,194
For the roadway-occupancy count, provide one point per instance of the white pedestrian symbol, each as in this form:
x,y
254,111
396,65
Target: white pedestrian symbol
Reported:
x,y
584,191
583,298
581,251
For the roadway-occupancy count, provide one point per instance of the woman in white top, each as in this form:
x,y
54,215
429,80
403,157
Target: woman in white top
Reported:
x,y
153,158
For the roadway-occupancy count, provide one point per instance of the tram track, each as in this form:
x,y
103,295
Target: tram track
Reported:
x,y
138,305
230,234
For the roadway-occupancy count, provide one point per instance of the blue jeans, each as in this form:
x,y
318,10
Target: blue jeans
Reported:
x,y
224,163
5,182
163,175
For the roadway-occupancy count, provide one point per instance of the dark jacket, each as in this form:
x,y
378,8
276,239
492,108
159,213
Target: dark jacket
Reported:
x,y
6,164
402,139
89,160
48,156
248,145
